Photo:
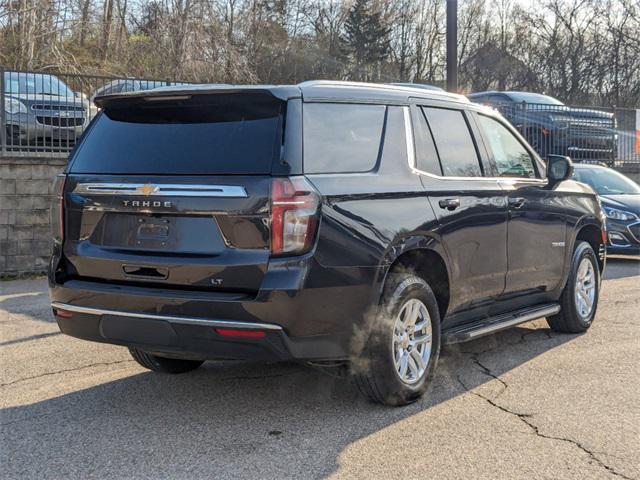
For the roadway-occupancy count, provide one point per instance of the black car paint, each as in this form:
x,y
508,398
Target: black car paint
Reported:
x,y
367,222
103,233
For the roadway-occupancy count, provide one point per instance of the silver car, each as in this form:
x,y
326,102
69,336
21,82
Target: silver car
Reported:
x,y
41,109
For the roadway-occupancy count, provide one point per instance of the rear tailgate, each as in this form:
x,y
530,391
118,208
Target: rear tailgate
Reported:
x,y
204,232
175,192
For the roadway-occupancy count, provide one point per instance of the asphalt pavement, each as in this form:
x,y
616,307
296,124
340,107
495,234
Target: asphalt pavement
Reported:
x,y
526,403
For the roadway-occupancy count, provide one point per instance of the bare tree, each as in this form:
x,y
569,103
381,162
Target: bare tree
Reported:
x,y
582,51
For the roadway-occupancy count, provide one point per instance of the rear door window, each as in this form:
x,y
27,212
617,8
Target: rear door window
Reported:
x,y
342,138
205,134
426,153
454,142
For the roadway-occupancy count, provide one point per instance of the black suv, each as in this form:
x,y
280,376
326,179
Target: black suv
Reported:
x,y
330,223
552,128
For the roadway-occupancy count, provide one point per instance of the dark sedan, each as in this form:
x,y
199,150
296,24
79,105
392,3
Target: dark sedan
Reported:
x,y
620,197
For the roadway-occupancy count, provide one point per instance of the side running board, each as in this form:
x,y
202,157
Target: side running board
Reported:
x,y
471,331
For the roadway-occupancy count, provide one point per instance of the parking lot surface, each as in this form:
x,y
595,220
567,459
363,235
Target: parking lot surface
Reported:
x,y
526,403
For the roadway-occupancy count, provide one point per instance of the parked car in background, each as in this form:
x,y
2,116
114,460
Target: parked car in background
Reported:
x,y
41,109
127,85
333,223
620,198
552,128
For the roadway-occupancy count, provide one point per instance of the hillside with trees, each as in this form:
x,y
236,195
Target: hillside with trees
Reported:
x,y
581,51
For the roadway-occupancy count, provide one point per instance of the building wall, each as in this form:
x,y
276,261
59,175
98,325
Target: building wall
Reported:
x,y
25,194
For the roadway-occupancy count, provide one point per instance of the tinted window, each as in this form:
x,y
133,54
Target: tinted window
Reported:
x,y
453,140
207,134
426,154
341,137
509,155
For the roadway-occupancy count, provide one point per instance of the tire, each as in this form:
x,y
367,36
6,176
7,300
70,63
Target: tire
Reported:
x,y
574,316
163,364
375,366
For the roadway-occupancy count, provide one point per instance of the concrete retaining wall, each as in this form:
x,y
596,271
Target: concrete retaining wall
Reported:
x,y
25,195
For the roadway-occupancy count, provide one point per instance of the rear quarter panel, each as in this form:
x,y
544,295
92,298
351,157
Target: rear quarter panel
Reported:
x,y
369,219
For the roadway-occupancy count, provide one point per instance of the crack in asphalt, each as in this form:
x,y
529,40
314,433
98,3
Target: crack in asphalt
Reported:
x,y
487,371
20,420
83,367
524,418
29,338
46,374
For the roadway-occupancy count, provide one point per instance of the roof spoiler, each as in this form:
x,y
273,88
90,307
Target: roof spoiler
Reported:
x,y
184,92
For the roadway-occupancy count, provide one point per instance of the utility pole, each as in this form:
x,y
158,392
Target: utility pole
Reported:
x,y
452,45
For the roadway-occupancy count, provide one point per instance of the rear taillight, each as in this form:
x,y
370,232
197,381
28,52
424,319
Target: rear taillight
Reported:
x,y
62,313
57,209
294,215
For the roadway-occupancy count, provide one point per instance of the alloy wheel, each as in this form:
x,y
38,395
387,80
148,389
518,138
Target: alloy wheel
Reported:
x,y
412,341
585,289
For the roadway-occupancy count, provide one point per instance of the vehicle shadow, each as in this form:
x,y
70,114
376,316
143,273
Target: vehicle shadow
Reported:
x,y
31,303
233,419
621,267
26,297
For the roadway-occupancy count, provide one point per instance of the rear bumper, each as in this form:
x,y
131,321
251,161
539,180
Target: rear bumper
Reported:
x,y
306,312
184,337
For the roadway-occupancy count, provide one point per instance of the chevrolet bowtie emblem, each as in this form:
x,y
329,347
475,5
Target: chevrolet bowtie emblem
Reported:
x,y
147,189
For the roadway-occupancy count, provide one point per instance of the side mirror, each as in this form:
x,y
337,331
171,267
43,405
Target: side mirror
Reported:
x,y
559,168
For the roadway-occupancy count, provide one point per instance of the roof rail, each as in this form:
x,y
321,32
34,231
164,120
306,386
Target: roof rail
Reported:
x,y
417,90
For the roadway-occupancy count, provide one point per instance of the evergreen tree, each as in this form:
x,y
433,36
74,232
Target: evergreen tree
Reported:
x,y
366,39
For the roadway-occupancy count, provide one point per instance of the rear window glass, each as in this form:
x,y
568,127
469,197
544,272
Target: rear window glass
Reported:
x,y
426,153
458,155
206,134
341,138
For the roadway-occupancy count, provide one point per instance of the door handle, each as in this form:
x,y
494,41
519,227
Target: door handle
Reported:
x,y
516,202
449,203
